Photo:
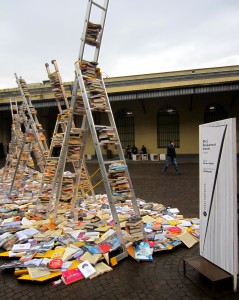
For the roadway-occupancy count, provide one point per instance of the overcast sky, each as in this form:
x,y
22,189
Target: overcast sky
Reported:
x,y
140,36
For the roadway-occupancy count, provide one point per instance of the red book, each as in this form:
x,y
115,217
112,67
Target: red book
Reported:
x,y
70,276
104,248
55,263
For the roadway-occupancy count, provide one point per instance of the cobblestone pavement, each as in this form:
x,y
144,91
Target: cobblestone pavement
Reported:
x,y
161,279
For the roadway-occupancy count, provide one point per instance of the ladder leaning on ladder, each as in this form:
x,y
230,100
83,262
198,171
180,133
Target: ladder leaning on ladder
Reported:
x,y
115,173
40,148
57,184
60,96
22,155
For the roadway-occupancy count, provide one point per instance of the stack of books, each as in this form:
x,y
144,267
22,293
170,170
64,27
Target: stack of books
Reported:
x,y
57,139
79,107
50,170
134,226
56,86
24,87
92,34
96,93
67,187
63,117
119,181
47,178
32,110
88,69
107,135
37,154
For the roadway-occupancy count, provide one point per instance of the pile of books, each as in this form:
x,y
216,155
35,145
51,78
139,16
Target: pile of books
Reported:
x,y
56,86
50,170
134,227
106,134
32,110
57,139
67,186
24,87
79,107
88,69
63,117
92,34
96,93
119,182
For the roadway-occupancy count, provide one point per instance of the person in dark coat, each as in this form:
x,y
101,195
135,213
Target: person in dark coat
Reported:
x,y
171,158
143,150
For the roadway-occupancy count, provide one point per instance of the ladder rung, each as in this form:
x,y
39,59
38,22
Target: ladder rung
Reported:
x,y
112,161
99,110
99,6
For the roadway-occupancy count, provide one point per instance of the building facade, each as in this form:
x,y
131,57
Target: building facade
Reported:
x,y
149,109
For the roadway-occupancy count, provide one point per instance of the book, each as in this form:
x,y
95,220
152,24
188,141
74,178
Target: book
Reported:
x,y
86,269
143,251
100,269
92,258
104,247
69,252
55,264
70,276
37,272
134,221
21,247
58,252
187,238
28,255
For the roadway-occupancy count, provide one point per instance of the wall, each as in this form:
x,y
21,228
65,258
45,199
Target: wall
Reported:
x,y
191,113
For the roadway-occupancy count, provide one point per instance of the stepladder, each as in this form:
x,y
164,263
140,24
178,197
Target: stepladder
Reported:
x,y
65,178
40,148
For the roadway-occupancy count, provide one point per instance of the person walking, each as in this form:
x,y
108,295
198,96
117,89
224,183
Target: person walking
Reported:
x,y
171,158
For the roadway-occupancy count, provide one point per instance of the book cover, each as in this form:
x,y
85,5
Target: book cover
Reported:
x,y
70,276
55,263
36,272
86,269
187,239
143,251
21,247
104,247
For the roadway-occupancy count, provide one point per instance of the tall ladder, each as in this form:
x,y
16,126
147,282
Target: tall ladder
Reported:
x,y
40,148
22,161
60,96
69,138
115,173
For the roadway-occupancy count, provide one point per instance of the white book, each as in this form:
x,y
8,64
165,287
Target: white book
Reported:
x,y
21,247
86,269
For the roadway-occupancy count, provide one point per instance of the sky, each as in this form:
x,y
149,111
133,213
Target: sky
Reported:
x,y
140,37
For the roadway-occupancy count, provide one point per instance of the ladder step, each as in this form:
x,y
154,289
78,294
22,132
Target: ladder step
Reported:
x,y
106,162
99,6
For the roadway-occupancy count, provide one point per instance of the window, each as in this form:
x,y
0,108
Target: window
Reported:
x,y
125,125
214,112
167,126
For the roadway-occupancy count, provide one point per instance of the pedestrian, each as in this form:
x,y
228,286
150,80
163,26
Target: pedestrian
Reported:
x,y
143,150
128,152
134,150
171,158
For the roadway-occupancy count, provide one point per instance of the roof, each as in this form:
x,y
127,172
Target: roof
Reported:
x,y
143,86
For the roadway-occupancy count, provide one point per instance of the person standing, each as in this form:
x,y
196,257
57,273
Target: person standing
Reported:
x,y
134,150
171,158
143,150
128,152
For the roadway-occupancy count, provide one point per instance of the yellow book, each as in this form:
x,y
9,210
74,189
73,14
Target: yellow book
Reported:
x,y
58,252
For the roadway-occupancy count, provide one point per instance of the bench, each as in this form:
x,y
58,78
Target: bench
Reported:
x,y
221,281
